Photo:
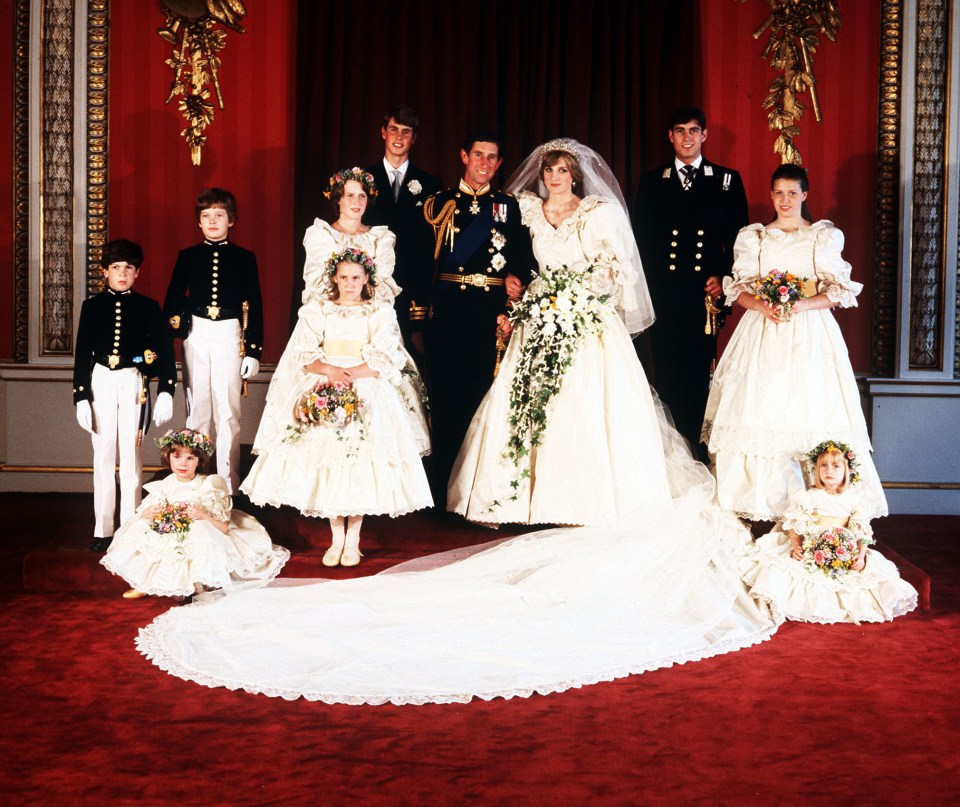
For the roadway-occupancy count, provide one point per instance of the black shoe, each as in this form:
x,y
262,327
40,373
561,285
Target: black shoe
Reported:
x,y
100,544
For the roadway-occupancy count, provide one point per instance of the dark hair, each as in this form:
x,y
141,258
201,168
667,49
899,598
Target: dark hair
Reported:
x,y
685,114
482,136
121,251
794,173
404,115
205,464
217,197
366,293
572,163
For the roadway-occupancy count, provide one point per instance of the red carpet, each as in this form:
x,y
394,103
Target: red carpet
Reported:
x,y
820,714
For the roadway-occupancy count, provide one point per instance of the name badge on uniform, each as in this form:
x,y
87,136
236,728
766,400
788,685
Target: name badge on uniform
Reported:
x,y
500,212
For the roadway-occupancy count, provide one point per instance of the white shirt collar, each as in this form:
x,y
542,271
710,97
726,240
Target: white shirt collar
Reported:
x,y
678,164
390,169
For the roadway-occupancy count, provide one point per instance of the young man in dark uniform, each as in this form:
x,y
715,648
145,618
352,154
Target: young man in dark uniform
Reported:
x,y
399,205
688,214
483,256
122,341
213,303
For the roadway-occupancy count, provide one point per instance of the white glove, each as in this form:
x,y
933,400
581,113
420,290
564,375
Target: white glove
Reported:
x,y
85,416
163,409
249,368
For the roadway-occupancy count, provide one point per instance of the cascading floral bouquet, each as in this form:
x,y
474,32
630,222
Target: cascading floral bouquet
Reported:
x,y
334,405
559,309
832,551
172,519
781,289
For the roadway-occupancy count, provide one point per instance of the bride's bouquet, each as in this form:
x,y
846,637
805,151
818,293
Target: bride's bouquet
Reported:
x,y
334,405
831,552
172,519
560,307
781,289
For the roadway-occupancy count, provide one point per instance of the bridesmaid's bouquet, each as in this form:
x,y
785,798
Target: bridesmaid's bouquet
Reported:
x,y
172,519
781,289
831,552
334,405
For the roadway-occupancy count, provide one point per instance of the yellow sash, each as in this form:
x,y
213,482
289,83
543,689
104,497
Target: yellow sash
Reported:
x,y
345,348
809,286
831,522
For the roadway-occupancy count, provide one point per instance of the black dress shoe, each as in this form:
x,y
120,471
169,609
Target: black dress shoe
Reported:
x,y
100,544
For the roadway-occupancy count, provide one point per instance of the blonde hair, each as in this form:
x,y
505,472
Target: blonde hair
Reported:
x,y
828,451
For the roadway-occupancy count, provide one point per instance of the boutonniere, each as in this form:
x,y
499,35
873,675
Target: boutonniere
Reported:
x,y
414,187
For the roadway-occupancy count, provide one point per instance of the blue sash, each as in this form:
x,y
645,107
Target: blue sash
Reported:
x,y
468,241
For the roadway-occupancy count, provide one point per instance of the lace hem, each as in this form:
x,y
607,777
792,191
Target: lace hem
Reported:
x,y
262,501
900,608
150,645
770,443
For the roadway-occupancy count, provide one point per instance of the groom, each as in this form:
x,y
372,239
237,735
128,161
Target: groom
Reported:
x,y
403,188
483,257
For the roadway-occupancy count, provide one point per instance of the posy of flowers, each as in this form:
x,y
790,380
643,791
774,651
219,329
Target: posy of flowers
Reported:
x,y
780,289
172,519
558,310
831,552
333,405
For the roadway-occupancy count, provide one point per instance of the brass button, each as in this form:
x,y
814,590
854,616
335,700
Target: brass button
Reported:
x,y
673,256
676,232
698,256
696,268
673,243
672,267
699,232
700,244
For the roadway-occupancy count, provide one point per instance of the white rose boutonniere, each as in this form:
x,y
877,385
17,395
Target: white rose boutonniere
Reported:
x,y
414,187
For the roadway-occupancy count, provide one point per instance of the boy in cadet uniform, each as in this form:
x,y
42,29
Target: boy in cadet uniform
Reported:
x,y
122,341
213,303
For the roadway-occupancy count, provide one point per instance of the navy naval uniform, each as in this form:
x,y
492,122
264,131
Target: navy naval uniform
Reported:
x,y
479,240
204,307
686,236
122,341
413,271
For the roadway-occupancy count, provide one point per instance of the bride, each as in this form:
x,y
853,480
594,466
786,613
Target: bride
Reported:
x,y
542,612
568,433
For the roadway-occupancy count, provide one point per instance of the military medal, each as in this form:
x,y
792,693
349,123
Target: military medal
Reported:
x,y
499,212
474,206
113,361
213,311
149,357
175,321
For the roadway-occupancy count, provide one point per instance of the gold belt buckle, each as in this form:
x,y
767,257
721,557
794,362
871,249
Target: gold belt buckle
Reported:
x,y
213,311
113,361
478,280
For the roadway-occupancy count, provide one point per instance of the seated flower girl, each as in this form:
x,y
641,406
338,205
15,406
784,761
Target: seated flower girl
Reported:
x,y
185,535
815,566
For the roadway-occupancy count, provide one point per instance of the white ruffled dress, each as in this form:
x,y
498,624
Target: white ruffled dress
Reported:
x,y
781,389
601,454
159,564
372,465
797,592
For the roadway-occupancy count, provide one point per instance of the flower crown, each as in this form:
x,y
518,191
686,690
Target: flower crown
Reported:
x,y
561,144
344,175
188,438
811,457
351,255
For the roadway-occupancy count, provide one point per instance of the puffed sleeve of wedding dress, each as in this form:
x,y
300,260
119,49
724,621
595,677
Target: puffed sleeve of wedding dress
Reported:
x,y
385,259
320,242
215,498
833,271
384,352
799,515
604,235
746,263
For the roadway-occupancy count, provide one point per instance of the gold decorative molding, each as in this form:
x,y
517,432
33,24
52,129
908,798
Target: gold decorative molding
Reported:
x,y
794,25
98,102
190,28
886,249
21,182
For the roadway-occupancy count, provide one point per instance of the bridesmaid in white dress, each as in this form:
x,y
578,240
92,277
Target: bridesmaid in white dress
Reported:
x,y
600,453
785,383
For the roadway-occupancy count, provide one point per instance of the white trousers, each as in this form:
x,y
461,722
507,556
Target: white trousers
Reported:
x,y
211,380
116,416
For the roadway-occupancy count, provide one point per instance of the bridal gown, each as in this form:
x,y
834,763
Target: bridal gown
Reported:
x,y
538,613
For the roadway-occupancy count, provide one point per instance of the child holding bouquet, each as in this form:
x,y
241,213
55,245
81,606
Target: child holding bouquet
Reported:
x,y
343,429
785,378
186,536
815,566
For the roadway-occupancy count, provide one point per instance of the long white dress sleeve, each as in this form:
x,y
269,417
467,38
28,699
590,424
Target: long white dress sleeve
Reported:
x,y
781,388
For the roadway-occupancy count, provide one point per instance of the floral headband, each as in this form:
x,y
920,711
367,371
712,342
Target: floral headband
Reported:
x,y
351,255
344,175
561,144
811,457
188,438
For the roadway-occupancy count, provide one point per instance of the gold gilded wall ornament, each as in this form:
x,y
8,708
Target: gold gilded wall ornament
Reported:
x,y
794,25
191,28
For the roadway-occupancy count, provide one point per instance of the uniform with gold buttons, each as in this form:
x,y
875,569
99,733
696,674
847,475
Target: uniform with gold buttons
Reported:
x,y
479,240
685,237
